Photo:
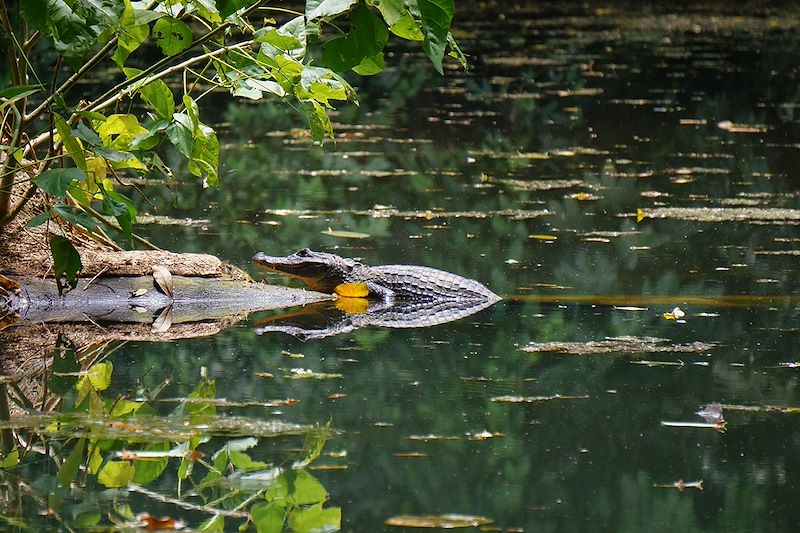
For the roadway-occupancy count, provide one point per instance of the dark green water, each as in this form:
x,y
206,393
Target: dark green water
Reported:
x,y
527,174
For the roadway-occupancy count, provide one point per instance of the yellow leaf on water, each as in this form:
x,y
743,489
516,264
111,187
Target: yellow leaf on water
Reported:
x,y
539,237
345,234
639,215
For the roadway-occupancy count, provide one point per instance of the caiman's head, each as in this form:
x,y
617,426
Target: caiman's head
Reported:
x,y
320,271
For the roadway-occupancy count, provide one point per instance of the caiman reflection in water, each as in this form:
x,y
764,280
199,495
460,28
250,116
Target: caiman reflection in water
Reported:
x,y
395,296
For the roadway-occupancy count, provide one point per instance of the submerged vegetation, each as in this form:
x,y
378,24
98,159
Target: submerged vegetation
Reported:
x,y
168,56
98,442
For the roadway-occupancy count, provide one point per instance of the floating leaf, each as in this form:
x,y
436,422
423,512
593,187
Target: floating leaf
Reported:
x,y
639,215
163,321
681,485
163,279
445,521
345,234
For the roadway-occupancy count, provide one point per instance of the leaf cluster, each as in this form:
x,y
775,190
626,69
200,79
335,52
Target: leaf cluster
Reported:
x,y
87,147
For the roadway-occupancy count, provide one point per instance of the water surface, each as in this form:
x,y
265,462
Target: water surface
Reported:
x,y
597,168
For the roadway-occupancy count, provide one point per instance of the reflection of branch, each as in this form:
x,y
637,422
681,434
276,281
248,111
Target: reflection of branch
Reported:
x,y
6,437
186,505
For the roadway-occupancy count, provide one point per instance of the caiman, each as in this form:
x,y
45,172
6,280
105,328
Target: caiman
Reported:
x,y
332,274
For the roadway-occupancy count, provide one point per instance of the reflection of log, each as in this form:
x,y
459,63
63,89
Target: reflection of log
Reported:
x,y
136,299
105,310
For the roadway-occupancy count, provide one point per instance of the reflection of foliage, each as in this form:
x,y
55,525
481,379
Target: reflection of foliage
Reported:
x,y
123,443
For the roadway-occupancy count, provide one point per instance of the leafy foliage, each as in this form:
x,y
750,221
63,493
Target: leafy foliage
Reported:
x,y
222,44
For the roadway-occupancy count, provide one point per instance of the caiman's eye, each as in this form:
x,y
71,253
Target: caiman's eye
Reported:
x,y
305,252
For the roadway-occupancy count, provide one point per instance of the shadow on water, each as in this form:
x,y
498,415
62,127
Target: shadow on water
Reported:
x,y
625,177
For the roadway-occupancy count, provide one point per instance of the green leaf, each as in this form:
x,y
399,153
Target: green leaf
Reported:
x,y
116,474
71,465
86,134
315,519
318,120
98,376
11,460
121,208
38,220
64,362
436,18
149,471
65,23
366,39
130,36
156,93
289,40
456,53
35,13
370,65
242,461
327,8
66,263
268,517
56,181
215,524
9,95
172,35
75,216
118,131
74,148
181,136
227,8
197,142
297,487
105,11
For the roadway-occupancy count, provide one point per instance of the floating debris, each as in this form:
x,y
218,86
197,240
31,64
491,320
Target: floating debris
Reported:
x,y
711,413
681,485
542,185
390,212
484,435
724,214
618,345
445,521
676,314
432,437
732,127
658,363
305,373
345,234
534,399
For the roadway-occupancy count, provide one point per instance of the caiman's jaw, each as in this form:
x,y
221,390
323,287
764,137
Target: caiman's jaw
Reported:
x,y
320,271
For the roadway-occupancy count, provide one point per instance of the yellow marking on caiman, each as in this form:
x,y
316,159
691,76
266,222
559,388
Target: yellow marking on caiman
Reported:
x,y
352,290
353,306
352,298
